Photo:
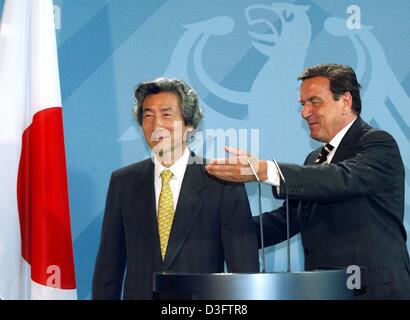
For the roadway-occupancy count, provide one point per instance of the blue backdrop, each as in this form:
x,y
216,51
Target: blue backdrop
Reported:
x,y
242,57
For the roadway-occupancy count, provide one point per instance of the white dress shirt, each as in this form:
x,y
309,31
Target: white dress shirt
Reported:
x,y
178,170
273,174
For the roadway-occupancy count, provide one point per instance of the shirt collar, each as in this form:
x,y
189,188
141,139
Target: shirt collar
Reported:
x,y
339,136
177,169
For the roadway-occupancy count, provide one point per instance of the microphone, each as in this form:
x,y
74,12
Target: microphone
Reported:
x,y
260,217
287,213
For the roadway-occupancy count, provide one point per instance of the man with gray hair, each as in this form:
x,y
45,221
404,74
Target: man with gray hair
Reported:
x,y
167,213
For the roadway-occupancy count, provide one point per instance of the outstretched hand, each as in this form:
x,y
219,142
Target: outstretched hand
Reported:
x,y
236,168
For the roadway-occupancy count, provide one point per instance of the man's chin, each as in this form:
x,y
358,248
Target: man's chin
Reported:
x,y
166,151
314,136
166,156
161,152
317,138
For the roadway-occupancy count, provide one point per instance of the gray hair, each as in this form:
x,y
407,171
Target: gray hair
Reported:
x,y
191,111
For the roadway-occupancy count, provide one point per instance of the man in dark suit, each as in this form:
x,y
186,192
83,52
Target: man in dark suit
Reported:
x,y
347,200
167,213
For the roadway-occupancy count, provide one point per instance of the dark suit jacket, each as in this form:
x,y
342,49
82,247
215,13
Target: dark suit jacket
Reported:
x,y
350,212
212,223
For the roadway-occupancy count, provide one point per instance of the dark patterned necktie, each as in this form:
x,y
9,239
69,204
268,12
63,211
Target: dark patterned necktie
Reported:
x,y
323,153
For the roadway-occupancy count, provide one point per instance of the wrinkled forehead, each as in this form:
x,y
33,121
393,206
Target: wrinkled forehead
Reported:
x,y
317,86
162,100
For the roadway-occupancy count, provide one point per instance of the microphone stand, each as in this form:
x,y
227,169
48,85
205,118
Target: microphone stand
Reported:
x,y
260,218
287,214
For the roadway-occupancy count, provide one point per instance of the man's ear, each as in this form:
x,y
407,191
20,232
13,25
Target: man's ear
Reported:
x,y
347,101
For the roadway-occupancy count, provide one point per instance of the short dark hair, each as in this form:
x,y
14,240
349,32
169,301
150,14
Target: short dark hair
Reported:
x,y
191,111
342,79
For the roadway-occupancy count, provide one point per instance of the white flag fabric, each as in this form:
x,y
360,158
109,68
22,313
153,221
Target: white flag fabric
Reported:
x,y
36,253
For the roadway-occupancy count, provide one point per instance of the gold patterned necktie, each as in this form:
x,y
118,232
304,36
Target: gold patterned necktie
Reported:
x,y
165,211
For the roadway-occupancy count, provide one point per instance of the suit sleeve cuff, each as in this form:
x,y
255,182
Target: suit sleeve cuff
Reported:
x,y
273,176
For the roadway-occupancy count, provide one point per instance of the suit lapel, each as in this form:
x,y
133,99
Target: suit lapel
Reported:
x,y
306,209
348,143
145,209
188,207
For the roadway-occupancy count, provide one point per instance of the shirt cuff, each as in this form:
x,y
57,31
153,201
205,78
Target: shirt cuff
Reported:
x,y
273,175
